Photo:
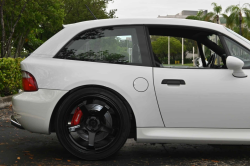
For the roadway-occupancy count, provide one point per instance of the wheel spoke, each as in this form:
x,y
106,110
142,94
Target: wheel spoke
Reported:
x,y
103,111
106,129
74,128
81,132
78,128
91,138
84,110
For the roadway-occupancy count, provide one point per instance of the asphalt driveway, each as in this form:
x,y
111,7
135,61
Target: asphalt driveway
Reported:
x,y
24,148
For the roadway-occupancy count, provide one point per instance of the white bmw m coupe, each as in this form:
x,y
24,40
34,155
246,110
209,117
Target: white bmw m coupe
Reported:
x,y
97,83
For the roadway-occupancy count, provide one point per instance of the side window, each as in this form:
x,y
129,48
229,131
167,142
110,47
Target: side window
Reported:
x,y
185,47
160,45
238,51
119,45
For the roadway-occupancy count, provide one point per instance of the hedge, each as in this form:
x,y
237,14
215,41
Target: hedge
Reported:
x,y
10,76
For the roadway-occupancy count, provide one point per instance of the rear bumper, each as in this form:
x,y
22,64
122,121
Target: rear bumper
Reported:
x,y
15,123
33,110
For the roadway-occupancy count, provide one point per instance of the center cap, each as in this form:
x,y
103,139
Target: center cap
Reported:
x,y
92,123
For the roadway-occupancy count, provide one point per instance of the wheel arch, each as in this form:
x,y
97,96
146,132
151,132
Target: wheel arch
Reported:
x,y
129,108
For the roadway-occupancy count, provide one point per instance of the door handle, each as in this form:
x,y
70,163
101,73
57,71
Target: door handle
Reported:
x,y
173,82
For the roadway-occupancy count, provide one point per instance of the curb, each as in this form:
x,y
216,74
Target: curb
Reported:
x,y
6,99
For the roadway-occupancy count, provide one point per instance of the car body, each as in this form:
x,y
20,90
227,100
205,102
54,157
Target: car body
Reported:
x,y
194,105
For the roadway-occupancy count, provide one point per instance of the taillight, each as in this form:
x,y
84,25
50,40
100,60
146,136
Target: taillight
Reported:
x,y
29,82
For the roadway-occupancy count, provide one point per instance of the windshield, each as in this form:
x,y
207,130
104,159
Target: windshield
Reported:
x,y
239,36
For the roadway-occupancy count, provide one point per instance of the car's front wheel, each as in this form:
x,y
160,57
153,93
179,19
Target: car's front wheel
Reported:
x,y
92,123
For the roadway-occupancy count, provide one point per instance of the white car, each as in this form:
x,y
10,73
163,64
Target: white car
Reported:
x,y
97,83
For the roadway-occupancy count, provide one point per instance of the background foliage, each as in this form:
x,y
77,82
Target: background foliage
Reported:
x,y
26,24
235,17
10,76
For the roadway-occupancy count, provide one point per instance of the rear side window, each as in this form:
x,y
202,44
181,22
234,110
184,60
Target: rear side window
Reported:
x,y
119,45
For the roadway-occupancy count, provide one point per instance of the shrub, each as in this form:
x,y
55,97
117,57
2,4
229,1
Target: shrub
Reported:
x,y
10,76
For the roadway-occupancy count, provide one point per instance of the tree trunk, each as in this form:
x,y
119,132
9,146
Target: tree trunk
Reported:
x,y
24,36
8,43
9,49
217,19
3,30
21,46
18,45
11,45
240,24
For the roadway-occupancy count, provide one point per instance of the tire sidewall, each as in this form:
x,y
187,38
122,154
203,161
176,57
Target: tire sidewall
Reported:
x,y
110,149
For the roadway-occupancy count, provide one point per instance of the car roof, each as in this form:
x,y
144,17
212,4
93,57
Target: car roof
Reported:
x,y
55,43
144,21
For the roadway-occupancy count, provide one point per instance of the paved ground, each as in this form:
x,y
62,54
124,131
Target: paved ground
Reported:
x,y
24,148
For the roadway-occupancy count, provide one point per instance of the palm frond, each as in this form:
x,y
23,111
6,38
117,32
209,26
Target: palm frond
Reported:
x,y
229,9
209,16
246,5
214,4
229,20
200,13
247,19
218,9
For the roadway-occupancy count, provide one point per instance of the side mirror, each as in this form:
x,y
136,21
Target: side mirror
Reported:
x,y
236,65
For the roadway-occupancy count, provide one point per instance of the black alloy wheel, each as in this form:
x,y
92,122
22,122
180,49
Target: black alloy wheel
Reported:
x,y
104,126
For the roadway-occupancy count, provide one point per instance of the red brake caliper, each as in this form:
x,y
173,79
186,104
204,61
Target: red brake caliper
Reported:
x,y
76,117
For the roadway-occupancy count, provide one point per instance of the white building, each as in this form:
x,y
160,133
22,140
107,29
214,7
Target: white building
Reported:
x,y
183,14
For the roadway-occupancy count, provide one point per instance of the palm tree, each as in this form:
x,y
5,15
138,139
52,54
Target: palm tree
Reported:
x,y
236,14
229,21
215,15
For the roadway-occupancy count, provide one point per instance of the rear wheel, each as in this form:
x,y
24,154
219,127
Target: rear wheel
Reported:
x,y
101,128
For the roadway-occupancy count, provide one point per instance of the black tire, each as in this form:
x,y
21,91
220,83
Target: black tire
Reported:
x,y
110,141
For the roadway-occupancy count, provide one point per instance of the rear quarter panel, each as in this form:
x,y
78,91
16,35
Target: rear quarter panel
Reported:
x,y
60,74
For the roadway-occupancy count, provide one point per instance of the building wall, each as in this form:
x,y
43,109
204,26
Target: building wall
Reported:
x,y
183,14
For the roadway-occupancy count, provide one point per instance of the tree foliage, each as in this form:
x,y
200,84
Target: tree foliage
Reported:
x,y
10,76
76,11
22,19
236,16
199,16
215,15
160,47
26,24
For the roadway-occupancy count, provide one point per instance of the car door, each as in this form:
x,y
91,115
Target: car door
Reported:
x,y
209,98
202,97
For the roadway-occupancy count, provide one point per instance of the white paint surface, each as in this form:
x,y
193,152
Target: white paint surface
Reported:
x,y
140,84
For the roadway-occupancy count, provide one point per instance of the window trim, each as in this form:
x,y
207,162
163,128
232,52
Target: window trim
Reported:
x,y
135,26
201,54
150,49
220,35
227,49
